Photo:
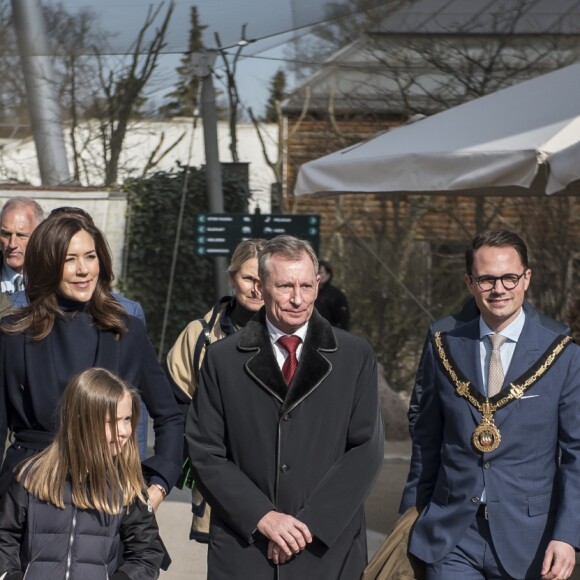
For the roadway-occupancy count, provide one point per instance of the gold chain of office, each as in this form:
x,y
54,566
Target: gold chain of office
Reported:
x,y
487,436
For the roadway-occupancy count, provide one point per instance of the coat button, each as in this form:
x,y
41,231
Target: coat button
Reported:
x,y
474,500
286,418
284,468
487,465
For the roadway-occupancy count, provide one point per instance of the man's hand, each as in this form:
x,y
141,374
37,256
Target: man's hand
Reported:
x,y
155,496
275,554
287,535
559,561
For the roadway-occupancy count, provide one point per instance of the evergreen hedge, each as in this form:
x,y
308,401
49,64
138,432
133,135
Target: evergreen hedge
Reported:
x,y
153,207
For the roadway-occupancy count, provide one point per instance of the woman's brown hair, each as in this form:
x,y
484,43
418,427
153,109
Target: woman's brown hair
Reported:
x,y
80,452
43,267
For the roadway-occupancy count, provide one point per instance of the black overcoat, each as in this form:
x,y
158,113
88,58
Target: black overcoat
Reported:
x,y
312,450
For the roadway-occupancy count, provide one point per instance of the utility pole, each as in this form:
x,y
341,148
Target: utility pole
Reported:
x,y
202,67
43,105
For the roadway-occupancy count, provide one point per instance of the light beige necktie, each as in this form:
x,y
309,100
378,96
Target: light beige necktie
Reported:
x,y
495,374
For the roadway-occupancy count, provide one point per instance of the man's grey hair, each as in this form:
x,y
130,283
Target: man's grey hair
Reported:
x,y
22,202
288,247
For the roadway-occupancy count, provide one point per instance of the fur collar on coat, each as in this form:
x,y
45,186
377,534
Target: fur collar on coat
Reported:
x,y
313,366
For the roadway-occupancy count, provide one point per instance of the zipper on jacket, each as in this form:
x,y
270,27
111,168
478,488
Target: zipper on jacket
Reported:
x,y
71,541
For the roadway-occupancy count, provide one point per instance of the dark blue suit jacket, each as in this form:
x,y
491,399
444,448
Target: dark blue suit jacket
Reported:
x,y
466,314
532,481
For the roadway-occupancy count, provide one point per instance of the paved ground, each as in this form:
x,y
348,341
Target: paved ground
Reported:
x,y
189,558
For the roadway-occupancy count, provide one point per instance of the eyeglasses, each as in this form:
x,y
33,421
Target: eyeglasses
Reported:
x,y
487,283
75,211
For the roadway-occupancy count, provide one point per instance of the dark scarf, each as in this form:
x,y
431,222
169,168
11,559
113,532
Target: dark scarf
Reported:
x,y
71,307
240,316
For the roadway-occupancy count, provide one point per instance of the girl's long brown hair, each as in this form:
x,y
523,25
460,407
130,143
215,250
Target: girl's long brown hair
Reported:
x,y
80,452
43,266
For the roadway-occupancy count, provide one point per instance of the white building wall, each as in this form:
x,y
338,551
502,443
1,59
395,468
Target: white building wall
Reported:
x,y
144,139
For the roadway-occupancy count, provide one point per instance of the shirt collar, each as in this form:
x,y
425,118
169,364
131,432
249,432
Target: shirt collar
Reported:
x,y
8,273
276,333
511,332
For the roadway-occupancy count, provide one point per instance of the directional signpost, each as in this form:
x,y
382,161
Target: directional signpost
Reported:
x,y
218,234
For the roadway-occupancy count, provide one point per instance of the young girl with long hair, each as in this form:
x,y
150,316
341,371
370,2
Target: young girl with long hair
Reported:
x,y
78,509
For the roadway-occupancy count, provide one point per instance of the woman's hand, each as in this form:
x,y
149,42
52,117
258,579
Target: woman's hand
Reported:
x,y
156,496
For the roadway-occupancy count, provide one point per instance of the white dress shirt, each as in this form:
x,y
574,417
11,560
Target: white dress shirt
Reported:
x,y
8,279
512,333
280,352
506,352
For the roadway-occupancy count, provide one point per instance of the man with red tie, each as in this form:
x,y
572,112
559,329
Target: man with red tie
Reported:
x,y
285,434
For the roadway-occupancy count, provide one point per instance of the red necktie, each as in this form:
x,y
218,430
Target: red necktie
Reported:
x,y
290,344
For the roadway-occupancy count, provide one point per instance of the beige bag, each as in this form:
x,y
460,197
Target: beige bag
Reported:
x,y
392,560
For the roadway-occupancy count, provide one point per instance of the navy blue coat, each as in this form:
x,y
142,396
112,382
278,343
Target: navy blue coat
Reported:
x,y
30,393
19,300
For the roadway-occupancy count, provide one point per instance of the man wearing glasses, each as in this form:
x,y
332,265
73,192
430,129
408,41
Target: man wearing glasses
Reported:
x,y
468,313
496,446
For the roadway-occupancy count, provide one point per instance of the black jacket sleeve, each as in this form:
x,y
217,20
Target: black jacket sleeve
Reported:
x,y
143,551
13,514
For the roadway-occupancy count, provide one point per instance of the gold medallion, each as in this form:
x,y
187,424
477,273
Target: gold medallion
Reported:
x,y
486,437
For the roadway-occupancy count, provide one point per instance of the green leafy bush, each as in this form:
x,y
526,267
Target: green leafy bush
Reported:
x,y
153,210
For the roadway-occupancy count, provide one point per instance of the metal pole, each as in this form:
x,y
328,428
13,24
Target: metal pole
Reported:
x,y
213,171
43,105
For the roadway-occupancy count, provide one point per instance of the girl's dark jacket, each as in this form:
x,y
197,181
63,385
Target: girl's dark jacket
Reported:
x,y
39,540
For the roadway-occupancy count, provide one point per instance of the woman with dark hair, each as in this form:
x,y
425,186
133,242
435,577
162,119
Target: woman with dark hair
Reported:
x,y
72,323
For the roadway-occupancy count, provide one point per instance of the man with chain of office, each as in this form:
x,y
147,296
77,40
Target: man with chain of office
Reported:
x,y
495,467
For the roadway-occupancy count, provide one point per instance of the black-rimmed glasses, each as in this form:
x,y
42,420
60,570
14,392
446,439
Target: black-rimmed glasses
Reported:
x,y
487,283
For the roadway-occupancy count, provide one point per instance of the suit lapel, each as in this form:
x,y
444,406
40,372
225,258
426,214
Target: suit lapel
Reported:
x,y
41,372
262,365
313,366
464,348
526,353
263,368
108,352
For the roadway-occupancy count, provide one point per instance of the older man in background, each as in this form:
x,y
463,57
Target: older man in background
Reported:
x,y
19,217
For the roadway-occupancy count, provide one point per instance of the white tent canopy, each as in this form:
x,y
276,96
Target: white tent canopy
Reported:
x,y
523,139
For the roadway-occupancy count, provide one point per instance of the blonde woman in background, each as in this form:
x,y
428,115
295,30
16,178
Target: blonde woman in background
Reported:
x,y
184,360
